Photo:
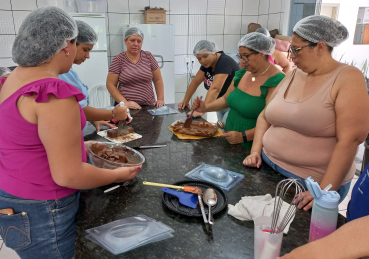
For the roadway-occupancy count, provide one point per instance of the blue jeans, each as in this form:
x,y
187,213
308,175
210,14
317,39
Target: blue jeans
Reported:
x,y
342,191
222,115
40,228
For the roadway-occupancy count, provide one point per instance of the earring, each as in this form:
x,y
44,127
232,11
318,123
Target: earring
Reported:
x,y
67,54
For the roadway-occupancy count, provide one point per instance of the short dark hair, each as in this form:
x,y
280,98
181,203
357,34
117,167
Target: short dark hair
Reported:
x,y
312,44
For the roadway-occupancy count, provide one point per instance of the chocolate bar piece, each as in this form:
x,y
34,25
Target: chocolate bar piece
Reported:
x,y
113,133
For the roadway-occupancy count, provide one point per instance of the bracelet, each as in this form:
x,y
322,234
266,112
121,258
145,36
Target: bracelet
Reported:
x,y
112,111
244,136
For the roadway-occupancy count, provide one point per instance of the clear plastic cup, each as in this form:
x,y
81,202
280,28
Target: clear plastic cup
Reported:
x,y
266,245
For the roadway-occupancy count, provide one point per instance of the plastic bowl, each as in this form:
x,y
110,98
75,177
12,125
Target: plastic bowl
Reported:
x,y
136,158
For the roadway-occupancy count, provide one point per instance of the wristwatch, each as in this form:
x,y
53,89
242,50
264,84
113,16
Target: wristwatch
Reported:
x,y
244,136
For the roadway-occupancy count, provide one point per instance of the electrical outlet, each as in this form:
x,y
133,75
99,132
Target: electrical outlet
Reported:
x,y
187,61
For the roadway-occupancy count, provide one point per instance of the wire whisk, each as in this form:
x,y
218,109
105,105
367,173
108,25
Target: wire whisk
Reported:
x,y
280,193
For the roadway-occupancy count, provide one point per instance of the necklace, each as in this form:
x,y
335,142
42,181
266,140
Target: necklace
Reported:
x,y
253,77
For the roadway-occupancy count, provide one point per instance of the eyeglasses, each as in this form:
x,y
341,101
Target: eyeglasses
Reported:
x,y
244,57
295,51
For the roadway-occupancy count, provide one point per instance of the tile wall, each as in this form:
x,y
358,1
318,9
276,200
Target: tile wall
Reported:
x,y
223,22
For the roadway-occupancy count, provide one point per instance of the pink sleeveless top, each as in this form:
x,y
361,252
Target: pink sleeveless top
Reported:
x,y
24,167
271,60
302,135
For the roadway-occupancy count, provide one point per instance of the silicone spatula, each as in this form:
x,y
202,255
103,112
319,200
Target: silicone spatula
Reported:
x,y
185,198
188,121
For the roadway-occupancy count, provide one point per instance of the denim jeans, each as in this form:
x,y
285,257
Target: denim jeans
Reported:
x,y
342,191
222,115
40,228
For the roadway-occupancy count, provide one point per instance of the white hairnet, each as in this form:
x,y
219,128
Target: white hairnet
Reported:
x,y
317,28
4,71
258,42
133,31
86,35
263,31
42,34
204,47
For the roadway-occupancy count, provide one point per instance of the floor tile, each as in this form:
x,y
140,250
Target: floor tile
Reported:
x,y
344,203
353,182
7,253
343,212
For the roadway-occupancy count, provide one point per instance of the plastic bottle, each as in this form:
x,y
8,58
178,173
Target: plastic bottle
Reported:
x,y
325,210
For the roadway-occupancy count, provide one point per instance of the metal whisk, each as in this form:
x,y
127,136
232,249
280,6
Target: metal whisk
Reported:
x,y
281,190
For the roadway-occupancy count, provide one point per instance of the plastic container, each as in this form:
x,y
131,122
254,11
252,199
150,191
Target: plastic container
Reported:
x,y
266,245
225,179
126,234
91,6
325,210
162,111
135,157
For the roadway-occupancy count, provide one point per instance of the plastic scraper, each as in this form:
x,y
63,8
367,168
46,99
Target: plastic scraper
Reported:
x,y
185,198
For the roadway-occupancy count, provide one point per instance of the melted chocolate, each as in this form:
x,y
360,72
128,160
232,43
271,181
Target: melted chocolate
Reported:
x,y
115,154
202,129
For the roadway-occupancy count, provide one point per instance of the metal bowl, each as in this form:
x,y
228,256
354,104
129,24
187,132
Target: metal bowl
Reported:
x,y
135,158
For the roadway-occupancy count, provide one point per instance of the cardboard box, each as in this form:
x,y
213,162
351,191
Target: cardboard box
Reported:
x,y
155,16
281,37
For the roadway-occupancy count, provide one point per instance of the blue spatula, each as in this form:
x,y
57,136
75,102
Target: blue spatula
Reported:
x,y
185,198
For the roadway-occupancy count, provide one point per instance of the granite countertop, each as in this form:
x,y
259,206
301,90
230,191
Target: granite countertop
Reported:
x,y
228,238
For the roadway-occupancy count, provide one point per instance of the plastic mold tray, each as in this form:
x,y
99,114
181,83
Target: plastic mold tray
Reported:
x,y
163,110
225,179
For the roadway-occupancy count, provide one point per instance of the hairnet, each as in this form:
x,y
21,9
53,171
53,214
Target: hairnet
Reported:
x,y
86,35
42,34
133,31
204,47
263,31
258,42
317,28
4,71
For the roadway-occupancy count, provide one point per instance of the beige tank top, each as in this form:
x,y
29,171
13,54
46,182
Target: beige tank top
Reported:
x,y
302,135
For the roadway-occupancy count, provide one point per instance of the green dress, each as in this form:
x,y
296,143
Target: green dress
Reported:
x,y
245,108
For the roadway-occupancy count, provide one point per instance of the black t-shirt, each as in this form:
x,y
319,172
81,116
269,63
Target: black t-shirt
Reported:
x,y
225,65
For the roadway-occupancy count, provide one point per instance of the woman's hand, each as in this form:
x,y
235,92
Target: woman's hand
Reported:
x,y
126,173
159,103
195,114
198,105
183,105
98,124
133,105
233,137
307,202
253,160
120,113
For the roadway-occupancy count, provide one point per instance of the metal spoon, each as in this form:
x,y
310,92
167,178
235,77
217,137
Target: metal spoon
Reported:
x,y
210,198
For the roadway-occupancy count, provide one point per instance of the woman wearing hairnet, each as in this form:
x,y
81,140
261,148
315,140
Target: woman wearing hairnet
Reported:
x,y
135,70
217,71
250,88
278,57
86,40
317,117
42,158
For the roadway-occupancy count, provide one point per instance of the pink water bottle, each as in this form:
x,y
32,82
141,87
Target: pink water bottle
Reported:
x,y
325,210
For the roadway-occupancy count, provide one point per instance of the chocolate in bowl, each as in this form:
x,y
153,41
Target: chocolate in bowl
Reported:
x,y
112,155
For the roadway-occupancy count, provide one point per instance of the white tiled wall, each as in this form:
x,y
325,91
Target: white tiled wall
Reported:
x,y
223,22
